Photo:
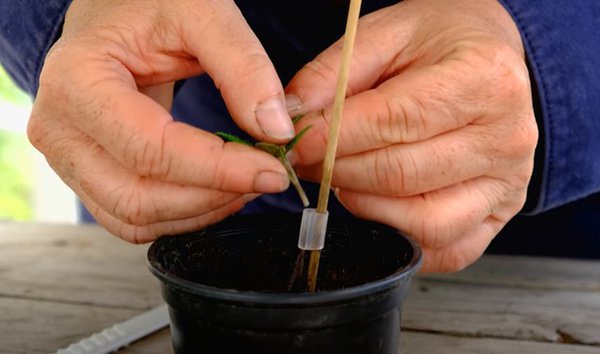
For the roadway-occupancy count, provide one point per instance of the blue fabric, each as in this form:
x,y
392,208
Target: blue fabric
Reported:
x,y
563,48
562,44
563,51
28,28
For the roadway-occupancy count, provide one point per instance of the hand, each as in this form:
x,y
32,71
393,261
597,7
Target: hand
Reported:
x,y
438,132
101,114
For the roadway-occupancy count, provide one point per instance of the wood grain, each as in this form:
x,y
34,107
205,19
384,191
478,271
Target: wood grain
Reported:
x,y
29,326
502,311
421,343
529,272
80,265
60,283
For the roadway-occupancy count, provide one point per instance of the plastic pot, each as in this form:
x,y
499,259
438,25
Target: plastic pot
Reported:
x,y
228,287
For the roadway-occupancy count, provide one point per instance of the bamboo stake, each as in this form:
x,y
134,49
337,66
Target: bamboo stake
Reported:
x,y
334,128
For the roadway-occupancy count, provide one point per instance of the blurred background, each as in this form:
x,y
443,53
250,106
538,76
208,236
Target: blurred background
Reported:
x,y
29,188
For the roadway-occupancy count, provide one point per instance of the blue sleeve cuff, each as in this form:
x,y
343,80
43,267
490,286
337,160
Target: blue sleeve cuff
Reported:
x,y
28,28
563,51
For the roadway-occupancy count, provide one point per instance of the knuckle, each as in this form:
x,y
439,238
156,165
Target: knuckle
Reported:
x,y
219,176
320,69
145,159
395,172
453,261
253,63
435,231
50,78
525,135
36,129
130,209
507,72
388,174
401,120
136,235
54,62
452,258
62,72
145,154
516,184
391,123
518,139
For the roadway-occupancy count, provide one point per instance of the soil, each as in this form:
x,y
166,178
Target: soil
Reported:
x,y
260,254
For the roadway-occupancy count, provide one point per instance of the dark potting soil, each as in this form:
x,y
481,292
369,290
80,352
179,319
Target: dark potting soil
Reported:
x,y
245,255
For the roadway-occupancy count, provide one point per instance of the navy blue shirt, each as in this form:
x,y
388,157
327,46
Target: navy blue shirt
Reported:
x,y
563,52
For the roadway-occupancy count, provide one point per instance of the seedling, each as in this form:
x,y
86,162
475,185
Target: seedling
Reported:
x,y
280,152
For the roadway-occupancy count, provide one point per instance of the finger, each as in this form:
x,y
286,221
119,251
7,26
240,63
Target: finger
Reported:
x,y
141,201
126,196
218,35
415,105
410,169
462,253
439,218
143,234
141,134
313,87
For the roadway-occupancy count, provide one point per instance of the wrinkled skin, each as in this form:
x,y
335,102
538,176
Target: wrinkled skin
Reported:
x,y
438,132
437,139
101,114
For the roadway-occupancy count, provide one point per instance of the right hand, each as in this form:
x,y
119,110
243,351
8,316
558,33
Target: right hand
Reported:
x,y
439,134
101,114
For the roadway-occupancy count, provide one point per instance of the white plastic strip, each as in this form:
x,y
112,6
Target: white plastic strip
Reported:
x,y
121,334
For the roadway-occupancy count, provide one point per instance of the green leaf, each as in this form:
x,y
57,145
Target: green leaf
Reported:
x,y
297,118
233,138
278,151
289,146
272,149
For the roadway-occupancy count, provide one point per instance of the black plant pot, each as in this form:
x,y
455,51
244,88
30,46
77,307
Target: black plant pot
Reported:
x,y
228,287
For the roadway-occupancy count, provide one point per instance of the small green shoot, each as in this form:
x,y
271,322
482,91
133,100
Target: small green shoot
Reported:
x,y
233,138
278,151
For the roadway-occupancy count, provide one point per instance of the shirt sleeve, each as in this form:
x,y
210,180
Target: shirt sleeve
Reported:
x,y
28,28
562,45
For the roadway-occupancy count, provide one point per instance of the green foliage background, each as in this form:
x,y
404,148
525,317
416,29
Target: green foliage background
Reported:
x,y
10,92
15,161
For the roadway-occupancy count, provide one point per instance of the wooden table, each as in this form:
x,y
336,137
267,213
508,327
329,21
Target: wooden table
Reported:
x,y
60,283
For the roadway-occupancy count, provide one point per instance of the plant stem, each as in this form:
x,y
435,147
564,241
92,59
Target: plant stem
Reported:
x,y
294,179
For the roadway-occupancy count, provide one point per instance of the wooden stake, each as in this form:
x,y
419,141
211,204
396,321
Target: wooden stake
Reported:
x,y
334,128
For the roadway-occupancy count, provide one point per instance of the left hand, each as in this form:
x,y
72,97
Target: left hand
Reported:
x,y
438,133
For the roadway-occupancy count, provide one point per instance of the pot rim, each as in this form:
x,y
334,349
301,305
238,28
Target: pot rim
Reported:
x,y
264,298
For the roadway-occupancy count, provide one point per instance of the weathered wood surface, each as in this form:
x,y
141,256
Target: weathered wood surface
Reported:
x,y
530,273
31,326
82,264
61,283
418,343
503,311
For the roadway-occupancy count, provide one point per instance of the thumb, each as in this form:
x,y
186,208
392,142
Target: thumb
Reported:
x,y
217,34
313,87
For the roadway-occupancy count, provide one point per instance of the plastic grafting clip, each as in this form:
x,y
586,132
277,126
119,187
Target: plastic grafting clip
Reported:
x,y
312,230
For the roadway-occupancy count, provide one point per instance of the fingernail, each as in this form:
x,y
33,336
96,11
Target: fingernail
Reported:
x,y
294,104
335,191
274,120
271,182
